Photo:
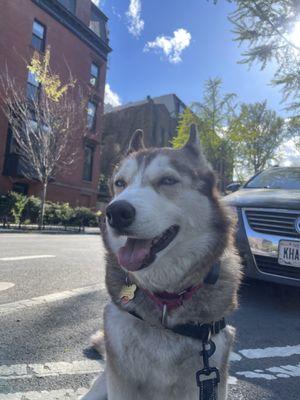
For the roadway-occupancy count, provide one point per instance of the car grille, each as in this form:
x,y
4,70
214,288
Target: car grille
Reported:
x,y
269,265
273,222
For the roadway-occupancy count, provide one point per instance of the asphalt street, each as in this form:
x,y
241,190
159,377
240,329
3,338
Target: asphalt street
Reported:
x,y
52,296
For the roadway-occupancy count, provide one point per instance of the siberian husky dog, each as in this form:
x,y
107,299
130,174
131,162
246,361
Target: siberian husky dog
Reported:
x,y
165,232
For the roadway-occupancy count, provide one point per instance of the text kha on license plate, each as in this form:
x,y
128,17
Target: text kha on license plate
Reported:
x,y
289,253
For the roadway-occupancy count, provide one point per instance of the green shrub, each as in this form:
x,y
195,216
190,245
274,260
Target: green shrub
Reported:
x,y
19,208
57,213
5,207
83,216
33,209
12,206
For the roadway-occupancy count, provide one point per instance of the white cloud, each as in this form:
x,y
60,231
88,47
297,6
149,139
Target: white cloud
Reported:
x,y
288,154
111,98
116,13
97,2
172,47
135,22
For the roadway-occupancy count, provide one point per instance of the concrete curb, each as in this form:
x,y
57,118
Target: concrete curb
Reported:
x,y
48,232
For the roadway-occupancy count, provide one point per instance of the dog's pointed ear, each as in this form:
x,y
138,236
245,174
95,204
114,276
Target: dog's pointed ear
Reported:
x,y
193,143
136,142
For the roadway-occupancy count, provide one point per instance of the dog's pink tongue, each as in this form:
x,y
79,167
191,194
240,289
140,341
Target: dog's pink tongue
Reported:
x,y
133,253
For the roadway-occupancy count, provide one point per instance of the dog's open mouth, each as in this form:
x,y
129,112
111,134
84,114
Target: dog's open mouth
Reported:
x,y
140,253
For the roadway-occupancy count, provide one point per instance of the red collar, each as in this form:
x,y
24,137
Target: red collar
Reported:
x,y
172,300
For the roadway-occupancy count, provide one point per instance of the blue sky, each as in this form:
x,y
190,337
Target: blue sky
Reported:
x,y
148,59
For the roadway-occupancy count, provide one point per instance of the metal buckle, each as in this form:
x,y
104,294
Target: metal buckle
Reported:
x,y
164,315
207,374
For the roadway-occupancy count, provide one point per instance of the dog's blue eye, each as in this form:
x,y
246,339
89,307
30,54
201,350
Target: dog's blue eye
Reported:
x,y
120,183
167,180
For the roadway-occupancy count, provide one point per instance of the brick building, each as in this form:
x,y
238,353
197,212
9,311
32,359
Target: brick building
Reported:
x,y
76,32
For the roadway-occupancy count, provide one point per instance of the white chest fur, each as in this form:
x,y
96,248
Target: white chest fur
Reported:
x,y
144,362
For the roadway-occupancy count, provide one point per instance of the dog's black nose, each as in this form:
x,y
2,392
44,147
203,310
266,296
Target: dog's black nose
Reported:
x,y
120,214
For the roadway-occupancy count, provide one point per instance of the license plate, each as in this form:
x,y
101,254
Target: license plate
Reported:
x,y
289,253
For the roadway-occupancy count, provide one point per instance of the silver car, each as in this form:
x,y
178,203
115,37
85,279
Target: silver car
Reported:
x,y
268,236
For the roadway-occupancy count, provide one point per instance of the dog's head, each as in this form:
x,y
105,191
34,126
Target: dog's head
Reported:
x,y
165,222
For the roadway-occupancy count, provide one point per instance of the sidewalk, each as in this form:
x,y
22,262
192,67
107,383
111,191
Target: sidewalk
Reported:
x,y
51,230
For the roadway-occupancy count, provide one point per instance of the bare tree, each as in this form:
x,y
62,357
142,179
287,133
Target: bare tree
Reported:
x,y
46,127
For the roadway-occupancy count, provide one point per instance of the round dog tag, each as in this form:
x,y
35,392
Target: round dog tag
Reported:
x,y
127,293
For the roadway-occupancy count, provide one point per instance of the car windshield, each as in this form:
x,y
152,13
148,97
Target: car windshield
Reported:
x,y
276,178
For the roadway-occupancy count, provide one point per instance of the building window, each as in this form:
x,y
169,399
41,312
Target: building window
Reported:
x,y
91,115
32,87
88,163
21,188
38,36
94,74
69,4
98,24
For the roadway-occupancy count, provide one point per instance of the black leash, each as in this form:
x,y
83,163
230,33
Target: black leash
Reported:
x,y
208,378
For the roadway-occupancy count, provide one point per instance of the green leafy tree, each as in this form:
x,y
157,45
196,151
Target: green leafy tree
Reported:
x,y
216,112
256,133
270,32
213,117
186,119
293,129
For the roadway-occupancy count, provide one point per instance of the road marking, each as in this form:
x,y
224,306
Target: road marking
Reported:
x,y
284,371
235,357
9,308
27,257
269,352
232,380
6,285
65,394
25,371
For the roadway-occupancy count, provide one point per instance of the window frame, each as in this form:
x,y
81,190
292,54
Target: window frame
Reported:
x,y
98,24
96,84
32,85
42,40
88,178
93,125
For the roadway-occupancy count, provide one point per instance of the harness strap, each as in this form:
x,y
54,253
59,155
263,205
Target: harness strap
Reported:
x,y
200,332
194,331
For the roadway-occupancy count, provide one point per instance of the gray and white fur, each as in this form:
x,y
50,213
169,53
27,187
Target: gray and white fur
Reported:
x,y
146,361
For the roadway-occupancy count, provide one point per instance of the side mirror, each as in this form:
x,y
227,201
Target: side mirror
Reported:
x,y
233,187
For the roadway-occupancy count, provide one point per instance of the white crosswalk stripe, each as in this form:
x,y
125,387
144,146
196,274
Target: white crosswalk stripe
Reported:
x,y
33,257
25,371
85,367
268,352
8,308
64,394
284,371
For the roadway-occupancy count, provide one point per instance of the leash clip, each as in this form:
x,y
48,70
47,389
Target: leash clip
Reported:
x,y
208,378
